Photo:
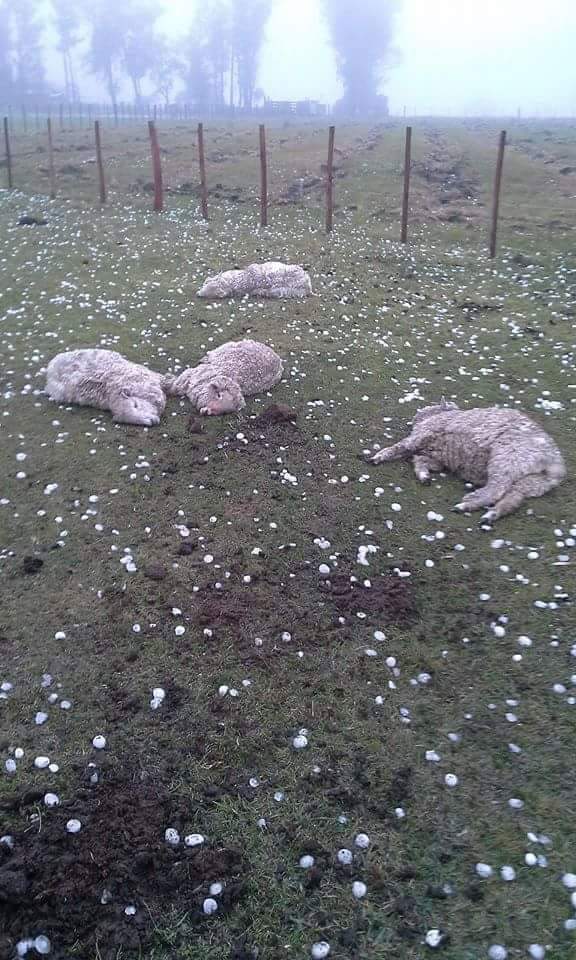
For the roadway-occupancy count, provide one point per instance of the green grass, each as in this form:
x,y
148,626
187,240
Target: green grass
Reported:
x,y
436,316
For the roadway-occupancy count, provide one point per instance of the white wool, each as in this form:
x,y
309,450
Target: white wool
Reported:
x,y
272,280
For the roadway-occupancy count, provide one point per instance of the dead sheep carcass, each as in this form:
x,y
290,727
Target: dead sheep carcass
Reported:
x,y
106,380
502,452
272,280
219,383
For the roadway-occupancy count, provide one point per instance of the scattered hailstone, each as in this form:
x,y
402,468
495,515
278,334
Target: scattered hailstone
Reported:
x,y
569,881
362,840
306,862
42,762
10,765
51,799
530,860
324,570
209,906
497,952
194,840
42,945
536,951
508,873
40,718
344,857
73,826
99,742
216,889
359,889
484,870
451,780
130,910
172,836
434,938
320,950
300,742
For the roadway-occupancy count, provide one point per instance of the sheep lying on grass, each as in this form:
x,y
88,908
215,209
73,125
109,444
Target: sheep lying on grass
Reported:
x,y
105,379
272,280
226,375
502,451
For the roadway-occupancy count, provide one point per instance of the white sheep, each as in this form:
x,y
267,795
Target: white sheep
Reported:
x,y
219,383
272,280
503,452
105,379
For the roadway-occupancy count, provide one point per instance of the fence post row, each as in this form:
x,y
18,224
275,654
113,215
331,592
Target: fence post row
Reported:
x,y
496,198
52,172
8,153
101,180
202,165
406,193
263,178
156,167
330,181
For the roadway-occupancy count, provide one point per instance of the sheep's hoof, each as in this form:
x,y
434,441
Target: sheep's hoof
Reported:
x,y
459,508
490,515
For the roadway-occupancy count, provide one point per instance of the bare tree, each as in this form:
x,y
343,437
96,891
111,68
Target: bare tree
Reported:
x,y
67,21
362,35
249,19
6,78
207,53
165,70
29,76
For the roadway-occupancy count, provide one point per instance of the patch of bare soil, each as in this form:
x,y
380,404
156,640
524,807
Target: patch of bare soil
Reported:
x,y
389,599
75,888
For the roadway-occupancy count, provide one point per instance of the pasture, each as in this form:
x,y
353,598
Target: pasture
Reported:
x,y
435,681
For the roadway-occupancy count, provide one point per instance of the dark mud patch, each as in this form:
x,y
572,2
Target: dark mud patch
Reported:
x,y
74,888
276,413
390,598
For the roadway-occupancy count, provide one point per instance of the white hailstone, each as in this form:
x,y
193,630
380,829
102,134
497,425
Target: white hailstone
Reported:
x,y
136,628
497,952
208,558
345,857
515,803
179,631
40,718
233,692
23,946
6,686
158,693
370,652
286,636
42,945
300,742
451,780
524,641
572,897
10,765
216,889
155,703
320,950
508,873
172,836
209,906
306,862
254,782
59,635
362,840
51,799
64,704
396,507
223,690
432,756
559,688
278,796
130,910
399,813
42,762
359,889
324,570
530,860
434,938
511,717
73,826
99,742
536,951
379,700
570,924
261,823
7,841
194,840
391,662
569,881
380,637
484,870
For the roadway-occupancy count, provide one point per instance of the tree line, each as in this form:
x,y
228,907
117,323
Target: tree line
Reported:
x,y
214,62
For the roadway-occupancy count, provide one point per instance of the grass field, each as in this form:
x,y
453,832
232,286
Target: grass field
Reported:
x,y
133,559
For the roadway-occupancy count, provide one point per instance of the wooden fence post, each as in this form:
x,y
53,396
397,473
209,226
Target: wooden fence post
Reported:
x,y
24,119
406,194
263,178
156,167
202,164
496,197
101,180
51,160
61,114
8,153
330,181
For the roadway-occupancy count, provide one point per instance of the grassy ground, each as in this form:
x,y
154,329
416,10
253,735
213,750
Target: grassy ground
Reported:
x,y
389,328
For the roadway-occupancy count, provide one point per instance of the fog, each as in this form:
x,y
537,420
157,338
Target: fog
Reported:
x,y
445,57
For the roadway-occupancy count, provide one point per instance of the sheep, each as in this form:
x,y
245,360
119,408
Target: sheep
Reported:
x,y
272,280
503,452
105,379
219,383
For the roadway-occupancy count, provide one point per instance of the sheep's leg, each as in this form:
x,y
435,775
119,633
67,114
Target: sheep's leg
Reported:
x,y
424,466
399,451
484,497
531,486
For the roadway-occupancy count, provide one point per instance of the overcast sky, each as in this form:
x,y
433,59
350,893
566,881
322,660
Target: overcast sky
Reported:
x,y
456,56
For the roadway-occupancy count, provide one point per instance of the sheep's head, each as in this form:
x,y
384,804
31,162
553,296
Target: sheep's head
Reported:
x,y
213,289
443,407
141,409
221,395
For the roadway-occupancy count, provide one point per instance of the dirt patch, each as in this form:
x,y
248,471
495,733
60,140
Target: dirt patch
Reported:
x,y
390,598
75,888
276,413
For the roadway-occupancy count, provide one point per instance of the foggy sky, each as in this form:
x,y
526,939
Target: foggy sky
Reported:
x,y
457,56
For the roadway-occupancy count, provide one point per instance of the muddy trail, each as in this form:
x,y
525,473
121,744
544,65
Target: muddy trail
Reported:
x,y
451,190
